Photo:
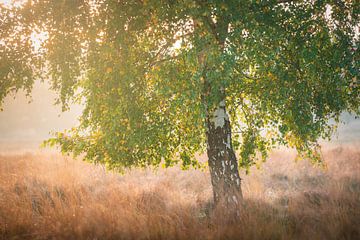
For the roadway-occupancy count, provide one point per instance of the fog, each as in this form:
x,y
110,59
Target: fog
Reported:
x,y
24,121
32,119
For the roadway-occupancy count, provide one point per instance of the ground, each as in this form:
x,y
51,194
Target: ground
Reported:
x,y
47,196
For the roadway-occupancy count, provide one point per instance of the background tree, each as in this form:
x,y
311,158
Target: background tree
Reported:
x,y
162,80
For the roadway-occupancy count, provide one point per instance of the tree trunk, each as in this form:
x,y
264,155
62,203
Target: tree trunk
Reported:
x,y
223,165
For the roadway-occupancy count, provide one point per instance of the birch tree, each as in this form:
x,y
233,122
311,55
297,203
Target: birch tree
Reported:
x,y
163,80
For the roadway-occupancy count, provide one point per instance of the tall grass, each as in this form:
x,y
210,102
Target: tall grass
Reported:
x,y
47,196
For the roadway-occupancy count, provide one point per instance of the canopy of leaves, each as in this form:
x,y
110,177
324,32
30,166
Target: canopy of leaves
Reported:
x,y
148,71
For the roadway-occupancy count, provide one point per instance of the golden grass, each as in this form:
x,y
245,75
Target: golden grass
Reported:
x,y
47,196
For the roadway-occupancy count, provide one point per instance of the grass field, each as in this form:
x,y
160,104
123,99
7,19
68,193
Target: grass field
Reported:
x,y
48,196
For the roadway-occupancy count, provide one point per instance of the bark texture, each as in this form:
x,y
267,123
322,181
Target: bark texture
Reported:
x,y
223,164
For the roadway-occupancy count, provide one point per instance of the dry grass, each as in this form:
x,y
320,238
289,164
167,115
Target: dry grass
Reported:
x,y
46,196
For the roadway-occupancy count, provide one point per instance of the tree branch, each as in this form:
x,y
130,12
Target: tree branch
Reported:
x,y
152,64
245,75
208,21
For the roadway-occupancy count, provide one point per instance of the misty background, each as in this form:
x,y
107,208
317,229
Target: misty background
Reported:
x,y
29,121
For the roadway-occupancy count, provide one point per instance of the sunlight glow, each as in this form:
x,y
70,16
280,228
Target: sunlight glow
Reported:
x,y
8,3
5,2
38,38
